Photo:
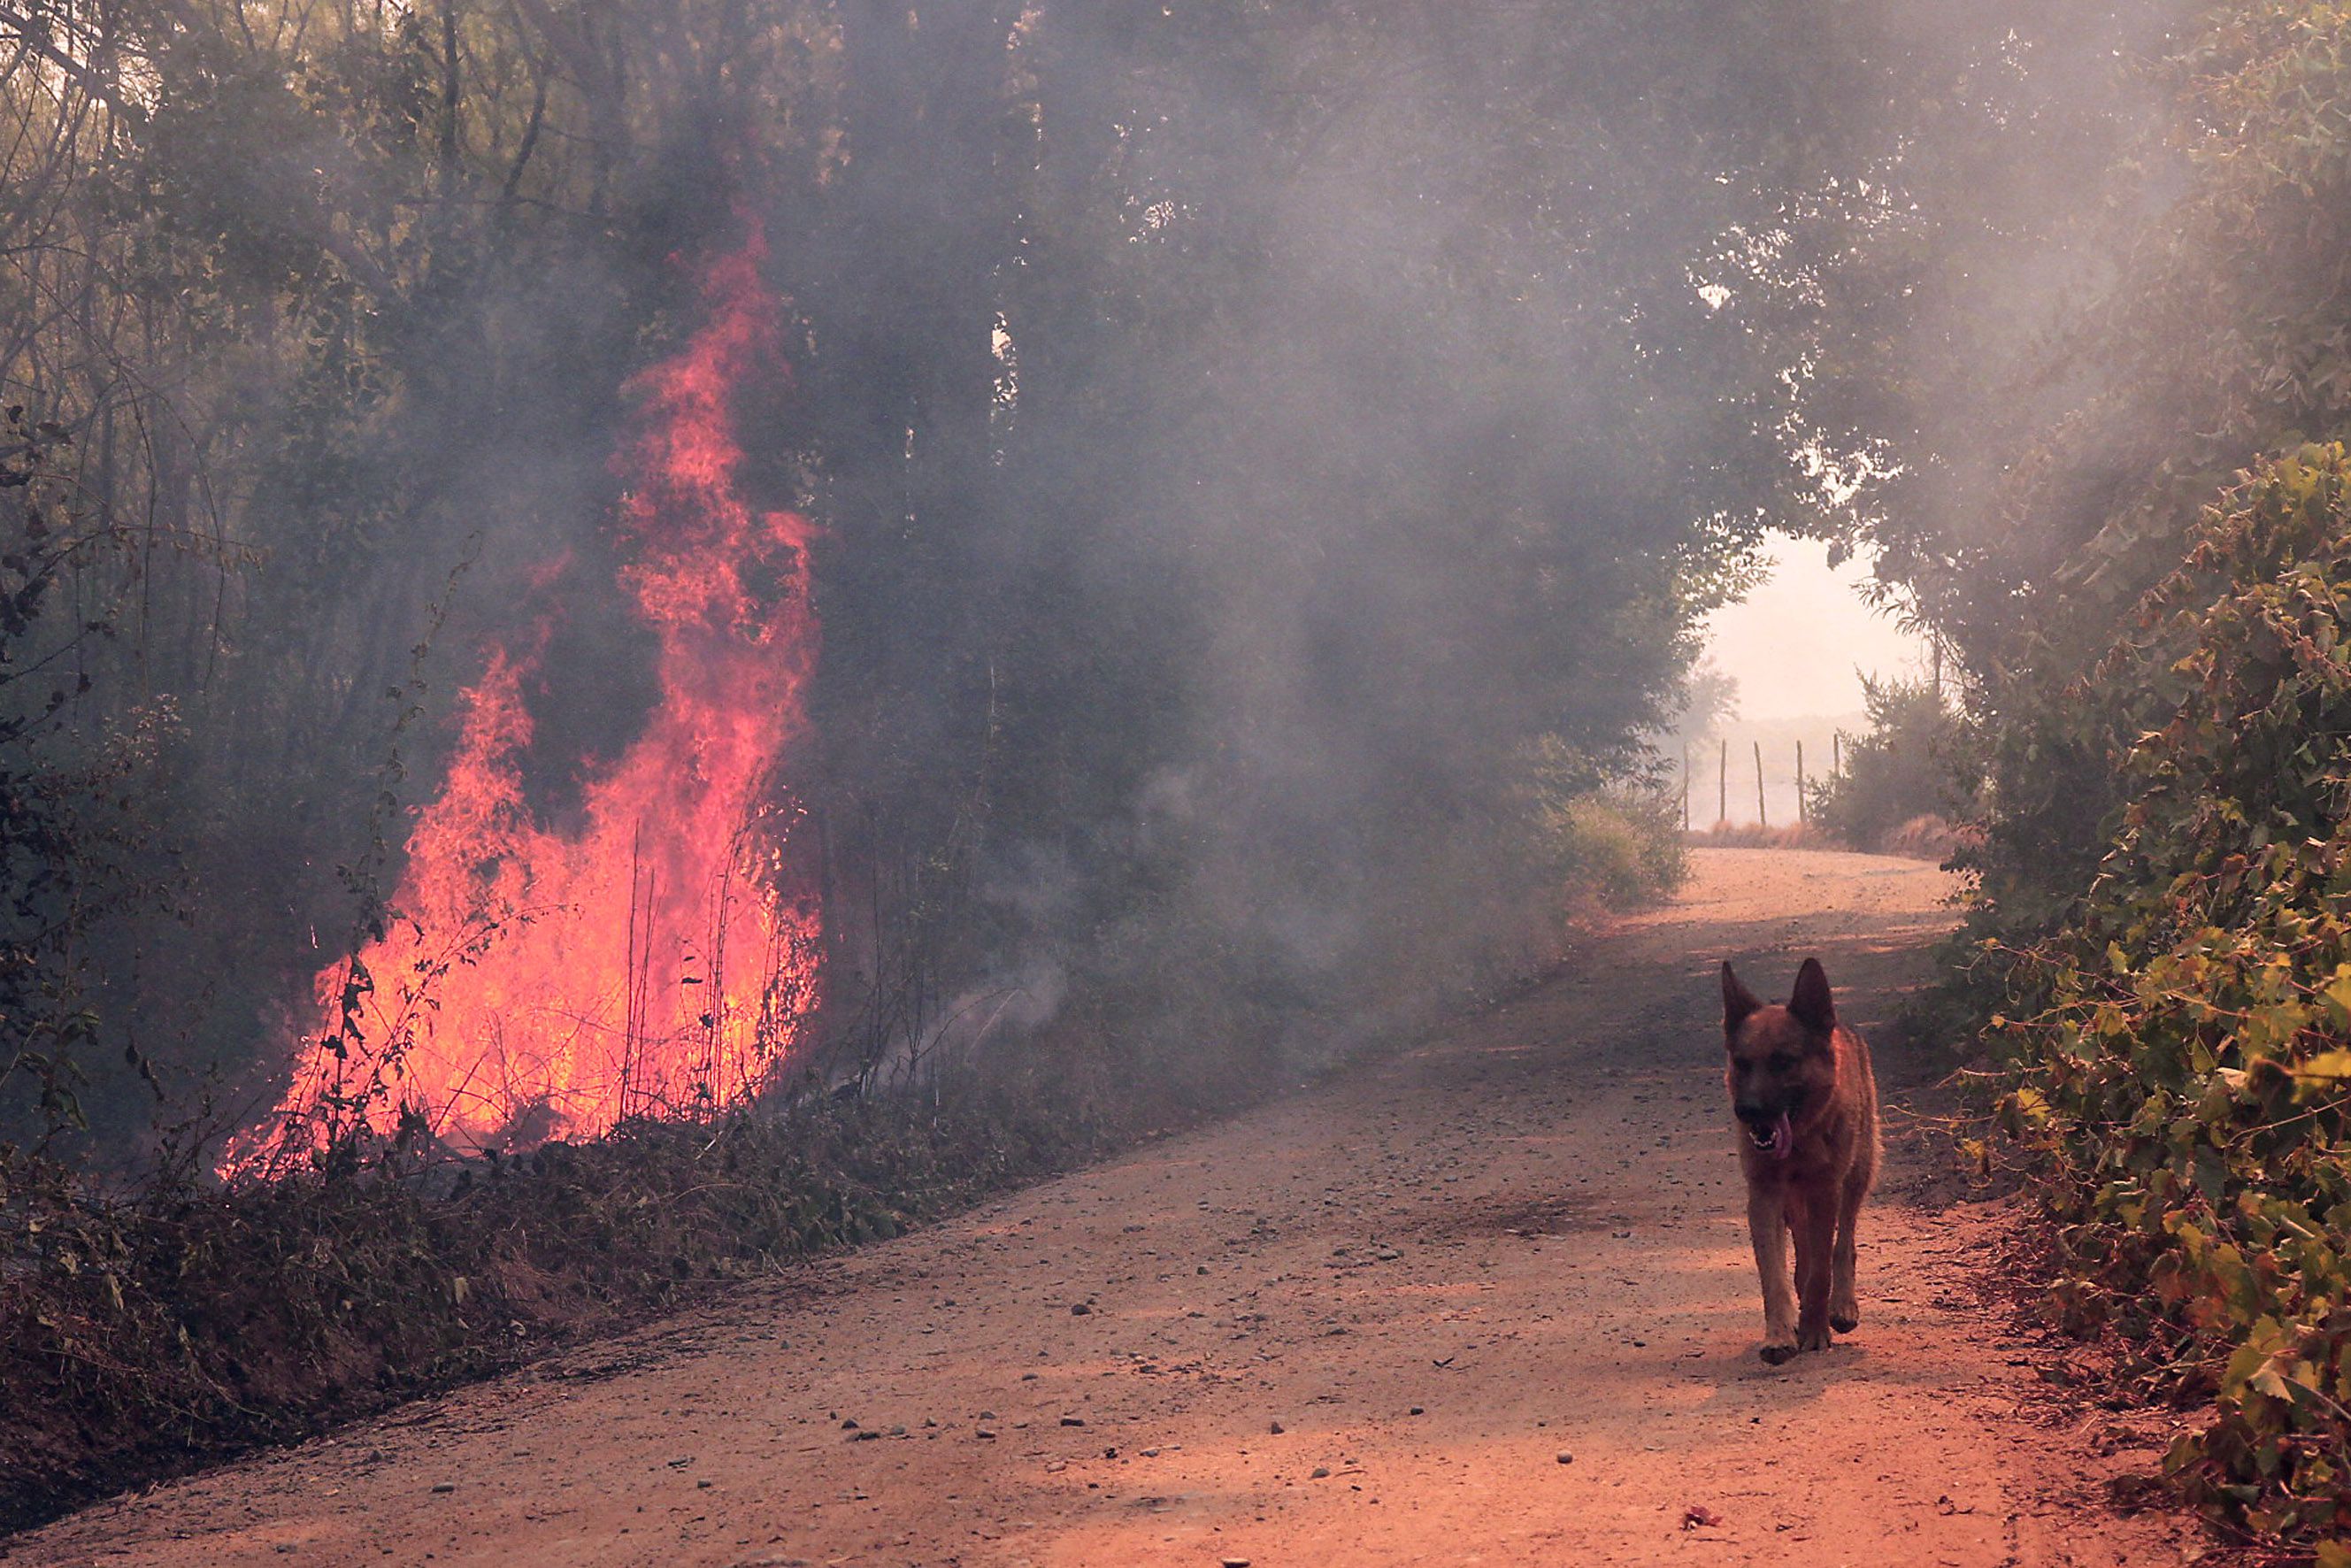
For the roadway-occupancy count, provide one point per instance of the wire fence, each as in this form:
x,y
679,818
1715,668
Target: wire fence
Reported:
x,y
1749,781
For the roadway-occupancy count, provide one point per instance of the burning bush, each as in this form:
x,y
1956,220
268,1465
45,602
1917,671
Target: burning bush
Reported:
x,y
532,982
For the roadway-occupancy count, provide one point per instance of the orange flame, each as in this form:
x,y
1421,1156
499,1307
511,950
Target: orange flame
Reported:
x,y
651,960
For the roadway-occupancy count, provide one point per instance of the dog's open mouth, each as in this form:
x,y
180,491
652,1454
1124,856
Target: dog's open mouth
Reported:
x,y
1774,1140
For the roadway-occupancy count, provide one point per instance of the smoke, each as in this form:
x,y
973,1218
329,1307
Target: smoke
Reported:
x,y
1223,486
2023,153
1237,441
1416,544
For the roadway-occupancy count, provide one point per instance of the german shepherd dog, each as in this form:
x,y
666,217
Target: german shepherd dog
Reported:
x,y
1805,1106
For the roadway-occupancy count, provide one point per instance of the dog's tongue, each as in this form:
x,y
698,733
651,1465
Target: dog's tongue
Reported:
x,y
1784,1137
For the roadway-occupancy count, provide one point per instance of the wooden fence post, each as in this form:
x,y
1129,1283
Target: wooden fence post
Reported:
x,y
1762,817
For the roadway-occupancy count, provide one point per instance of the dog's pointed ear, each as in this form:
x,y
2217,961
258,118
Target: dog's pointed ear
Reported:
x,y
1738,1001
1811,1005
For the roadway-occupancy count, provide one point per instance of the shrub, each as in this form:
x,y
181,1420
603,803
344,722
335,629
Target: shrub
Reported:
x,y
2180,1044
1592,834
1914,762
1618,847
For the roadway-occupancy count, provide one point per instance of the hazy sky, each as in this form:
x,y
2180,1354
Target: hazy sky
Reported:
x,y
1795,643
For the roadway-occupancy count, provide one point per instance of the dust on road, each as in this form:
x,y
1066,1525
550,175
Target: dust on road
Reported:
x,y
1490,1302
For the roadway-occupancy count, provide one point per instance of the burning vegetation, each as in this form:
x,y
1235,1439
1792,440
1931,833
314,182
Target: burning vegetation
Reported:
x,y
655,957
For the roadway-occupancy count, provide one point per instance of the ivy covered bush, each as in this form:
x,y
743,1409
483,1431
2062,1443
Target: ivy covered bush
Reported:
x,y
2180,1048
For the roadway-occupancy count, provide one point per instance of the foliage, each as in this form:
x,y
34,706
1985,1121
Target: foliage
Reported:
x,y
2193,320
1914,761
2155,930
74,847
2182,1044
1626,848
1710,702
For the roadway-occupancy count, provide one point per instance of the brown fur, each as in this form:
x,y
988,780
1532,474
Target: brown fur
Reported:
x,y
1797,1060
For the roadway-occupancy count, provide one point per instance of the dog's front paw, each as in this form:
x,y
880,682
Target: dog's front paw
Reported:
x,y
1776,1353
1847,1320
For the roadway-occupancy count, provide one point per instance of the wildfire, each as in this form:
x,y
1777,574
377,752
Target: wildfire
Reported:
x,y
648,958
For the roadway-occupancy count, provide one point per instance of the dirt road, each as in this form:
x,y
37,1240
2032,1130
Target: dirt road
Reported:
x,y
1490,1302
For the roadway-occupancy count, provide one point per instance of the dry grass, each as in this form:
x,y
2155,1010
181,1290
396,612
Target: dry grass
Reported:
x,y
147,1333
1929,838
1751,836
